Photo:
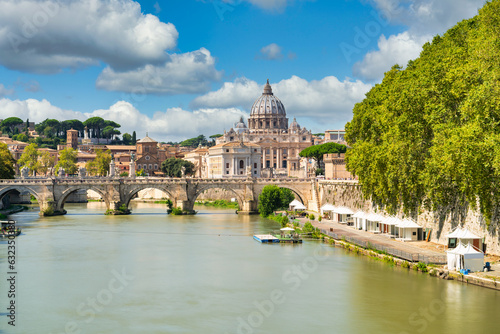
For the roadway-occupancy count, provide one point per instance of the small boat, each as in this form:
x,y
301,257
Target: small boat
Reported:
x,y
8,229
283,237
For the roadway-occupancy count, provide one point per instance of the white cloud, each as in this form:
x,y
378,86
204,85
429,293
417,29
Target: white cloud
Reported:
x,y
328,100
183,73
5,92
397,49
424,19
173,124
46,36
271,52
240,94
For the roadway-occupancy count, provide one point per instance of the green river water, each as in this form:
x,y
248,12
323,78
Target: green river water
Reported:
x,y
153,273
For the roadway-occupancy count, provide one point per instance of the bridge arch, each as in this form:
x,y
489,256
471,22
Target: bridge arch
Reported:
x,y
65,194
298,194
205,187
131,193
20,189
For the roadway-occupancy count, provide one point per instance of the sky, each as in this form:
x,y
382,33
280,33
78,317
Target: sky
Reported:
x,y
179,68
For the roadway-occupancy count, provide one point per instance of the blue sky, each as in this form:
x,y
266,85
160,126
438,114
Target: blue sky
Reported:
x,y
179,68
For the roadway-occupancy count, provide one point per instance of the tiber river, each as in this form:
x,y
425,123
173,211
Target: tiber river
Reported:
x,y
152,273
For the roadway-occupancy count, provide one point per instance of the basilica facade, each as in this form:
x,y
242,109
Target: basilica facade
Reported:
x,y
268,127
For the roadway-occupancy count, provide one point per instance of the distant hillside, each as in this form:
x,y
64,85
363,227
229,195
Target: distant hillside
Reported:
x,y
429,134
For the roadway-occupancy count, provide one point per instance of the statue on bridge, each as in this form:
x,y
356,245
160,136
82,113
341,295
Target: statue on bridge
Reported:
x,y
131,172
183,171
25,172
82,172
61,172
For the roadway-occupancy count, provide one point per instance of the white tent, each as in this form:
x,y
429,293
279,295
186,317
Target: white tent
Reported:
x,y
293,204
343,214
389,225
465,257
360,220
372,222
299,206
408,230
327,208
464,236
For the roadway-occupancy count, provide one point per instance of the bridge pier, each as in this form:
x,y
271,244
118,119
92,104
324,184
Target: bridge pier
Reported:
x,y
117,208
49,208
248,207
185,205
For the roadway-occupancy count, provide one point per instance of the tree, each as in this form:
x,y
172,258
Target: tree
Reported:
x,y
126,139
100,165
194,142
428,135
29,158
6,163
173,167
317,151
11,123
273,198
22,137
67,160
109,132
95,124
134,138
46,161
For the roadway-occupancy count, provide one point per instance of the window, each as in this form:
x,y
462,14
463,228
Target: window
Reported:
x,y
303,138
156,166
227,164
242,164
230,139
284,164
227,150
255,172
268,151
150,166
284,151
255,150
414,233
255,165
227,172
147,157
147,148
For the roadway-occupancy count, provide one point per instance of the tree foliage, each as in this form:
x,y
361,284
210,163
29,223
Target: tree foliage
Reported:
x,y
45,162
67,160
430,134
6,163
173,167
274,198
29,158
10,124
194,142
100,165
317,151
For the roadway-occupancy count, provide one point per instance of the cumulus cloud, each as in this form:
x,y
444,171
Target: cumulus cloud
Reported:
x,y
183,73
328,99
271,52
162,126
46,36
397,49
424,19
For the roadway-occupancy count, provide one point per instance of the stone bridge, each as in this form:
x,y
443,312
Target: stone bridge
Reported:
x,y
52,193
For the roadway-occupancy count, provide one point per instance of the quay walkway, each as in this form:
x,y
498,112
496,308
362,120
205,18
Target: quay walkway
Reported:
x,y
415,251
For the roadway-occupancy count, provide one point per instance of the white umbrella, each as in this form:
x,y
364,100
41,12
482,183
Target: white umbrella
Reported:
x,y
287,229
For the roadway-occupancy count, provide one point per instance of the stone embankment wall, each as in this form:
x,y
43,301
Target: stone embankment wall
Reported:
x,y
349,194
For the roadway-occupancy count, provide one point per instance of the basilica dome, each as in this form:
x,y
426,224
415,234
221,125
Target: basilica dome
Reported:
x,y
268,104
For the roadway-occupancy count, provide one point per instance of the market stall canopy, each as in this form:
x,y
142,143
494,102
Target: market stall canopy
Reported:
x,y
293,204
460,233
360,214
407,223
328,207
343,211
287,229
391,221
299,206
374,217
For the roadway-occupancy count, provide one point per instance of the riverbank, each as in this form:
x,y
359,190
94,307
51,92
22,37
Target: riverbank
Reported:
x,y
333,235
11,210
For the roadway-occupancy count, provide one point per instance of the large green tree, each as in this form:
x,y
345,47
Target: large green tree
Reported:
x,y
29,158
67,160
274,198
173,167
11,123
6,163
194,142
429,134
